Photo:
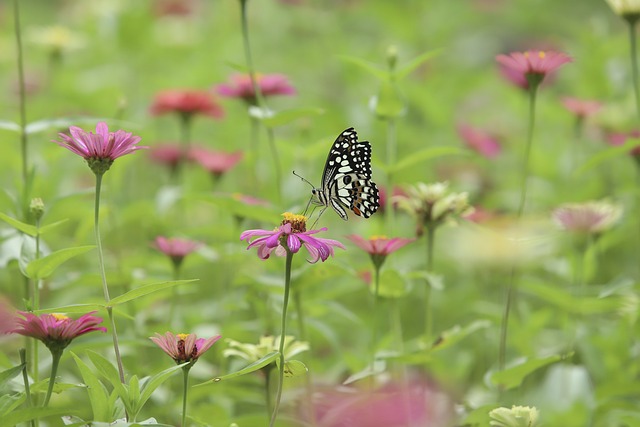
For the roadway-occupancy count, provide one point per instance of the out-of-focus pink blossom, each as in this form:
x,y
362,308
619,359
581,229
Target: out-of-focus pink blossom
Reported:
x,y
521,67
240,86
581,107
187,103
215,162
480,141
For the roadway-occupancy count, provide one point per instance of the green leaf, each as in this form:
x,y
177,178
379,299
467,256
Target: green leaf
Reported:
x,y
10,373
110,373
28,414
405,70
43,267
73,308
9,402
98,396
514,375
605,155
295,368
146,290
154,382
51,226
7,125
370,68
392,284
378,367
29,229
59,123
456,334
424,155
570,303
134,396
284,117
389,104
255,366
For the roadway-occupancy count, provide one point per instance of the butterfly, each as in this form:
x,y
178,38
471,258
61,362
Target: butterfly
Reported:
x,y
346,180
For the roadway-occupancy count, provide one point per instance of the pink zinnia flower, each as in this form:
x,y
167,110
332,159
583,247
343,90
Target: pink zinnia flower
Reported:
x,y
240,86
292,234
56,331
99,149
379,247
187,103
531,66
216,162
176,248
169,155
183,347
591,217
480,141
620,138
581,107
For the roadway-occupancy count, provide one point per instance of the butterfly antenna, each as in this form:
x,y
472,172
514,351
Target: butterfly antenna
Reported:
x,y
304,179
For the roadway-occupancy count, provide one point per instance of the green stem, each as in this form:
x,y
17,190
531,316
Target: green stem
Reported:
x,y
247,53
185,146
632,20
428,315
283,334
25,379
185,372
505,320
21,95
302,330
391,161
276,162
55,361
302,335
103,274
267,388
533,90
174,294
376,317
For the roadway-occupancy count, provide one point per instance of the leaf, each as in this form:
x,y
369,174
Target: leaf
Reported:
x,y
51,226
28,414
378,367
146,290
284,117
134,396
423,155
295,368
98,396
29,229
367,66
605,155
73,308
43,267
153,383
514,375
456,334
255,366
9,402
415,63
110,373
570,303
10,373
60,123
7,125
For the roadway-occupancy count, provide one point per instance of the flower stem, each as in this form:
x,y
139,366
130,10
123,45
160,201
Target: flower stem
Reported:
x,y
302,330
391,161
267,387
185,372
632,20
283,329
247,54
21,95
103,274
533,90
376,320
55,361
25,379
505,320
428,315
276,162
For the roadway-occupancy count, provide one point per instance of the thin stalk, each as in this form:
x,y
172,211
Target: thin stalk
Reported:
x,y
25,379
276,162
55,361
428,315
103,274
376,317
505,320
391,161
185,372
302,335
185,145
247,54
283,329
267,388
21,96
533,90
631,20
174,294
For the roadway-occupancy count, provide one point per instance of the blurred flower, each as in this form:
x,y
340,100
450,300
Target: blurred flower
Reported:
x,y
620,138
433,205
183,347
625,8
186,103
379,247
580,107
382,193
413,404
480,141
249,200
99,149
176,248
268,344
7,317
517,416
56,331
478,215
216,162
169,155
292,234
531,66
36,208
240,86
174,7
592,217
56,39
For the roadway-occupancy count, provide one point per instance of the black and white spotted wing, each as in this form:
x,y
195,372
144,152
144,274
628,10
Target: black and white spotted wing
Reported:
x,y
346,180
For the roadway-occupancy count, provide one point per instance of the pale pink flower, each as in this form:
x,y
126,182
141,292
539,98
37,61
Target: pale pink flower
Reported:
x,y
169,155
215,162
592,217
176,248
480,141
240,86
379,247
293,234
382,193
56,331
520,67
581,107
186,103
183,347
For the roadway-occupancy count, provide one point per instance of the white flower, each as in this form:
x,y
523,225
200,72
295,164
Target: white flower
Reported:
x,y
625,7
517,416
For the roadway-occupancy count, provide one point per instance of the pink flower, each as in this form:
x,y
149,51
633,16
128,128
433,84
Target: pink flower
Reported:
x,y
183,347
240,86
99,149
620,138
187,103
216,162
7,317
521,67
176,248
590,217
293,234
169,155
480,141
580,107
249,200
397,192
378,247
56,331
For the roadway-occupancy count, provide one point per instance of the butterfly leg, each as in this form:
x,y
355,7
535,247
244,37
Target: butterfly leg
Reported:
x,y
319,215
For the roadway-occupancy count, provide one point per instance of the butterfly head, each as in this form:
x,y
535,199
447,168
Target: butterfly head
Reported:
x,y
318,198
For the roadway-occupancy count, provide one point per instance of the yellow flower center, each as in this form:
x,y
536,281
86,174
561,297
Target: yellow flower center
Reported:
x,y
378,237
60,316
298,222
182,336
541,55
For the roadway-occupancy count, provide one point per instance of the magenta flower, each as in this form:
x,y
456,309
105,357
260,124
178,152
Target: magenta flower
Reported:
x,y
532,65
240,86
183,347
99,149
581,107
292,235
176,248
186,103
56,331
480,141
215,162
379,247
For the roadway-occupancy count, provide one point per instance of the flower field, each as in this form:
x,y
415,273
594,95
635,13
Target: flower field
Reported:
x,y
309,213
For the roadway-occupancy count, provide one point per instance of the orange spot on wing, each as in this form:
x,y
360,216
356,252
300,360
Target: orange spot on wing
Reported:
x,y
357,211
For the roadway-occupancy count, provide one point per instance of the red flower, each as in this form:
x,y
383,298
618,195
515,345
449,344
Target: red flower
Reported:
x,y
480,141
216,162
241,86
56,331
183,347
522,67
186,102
